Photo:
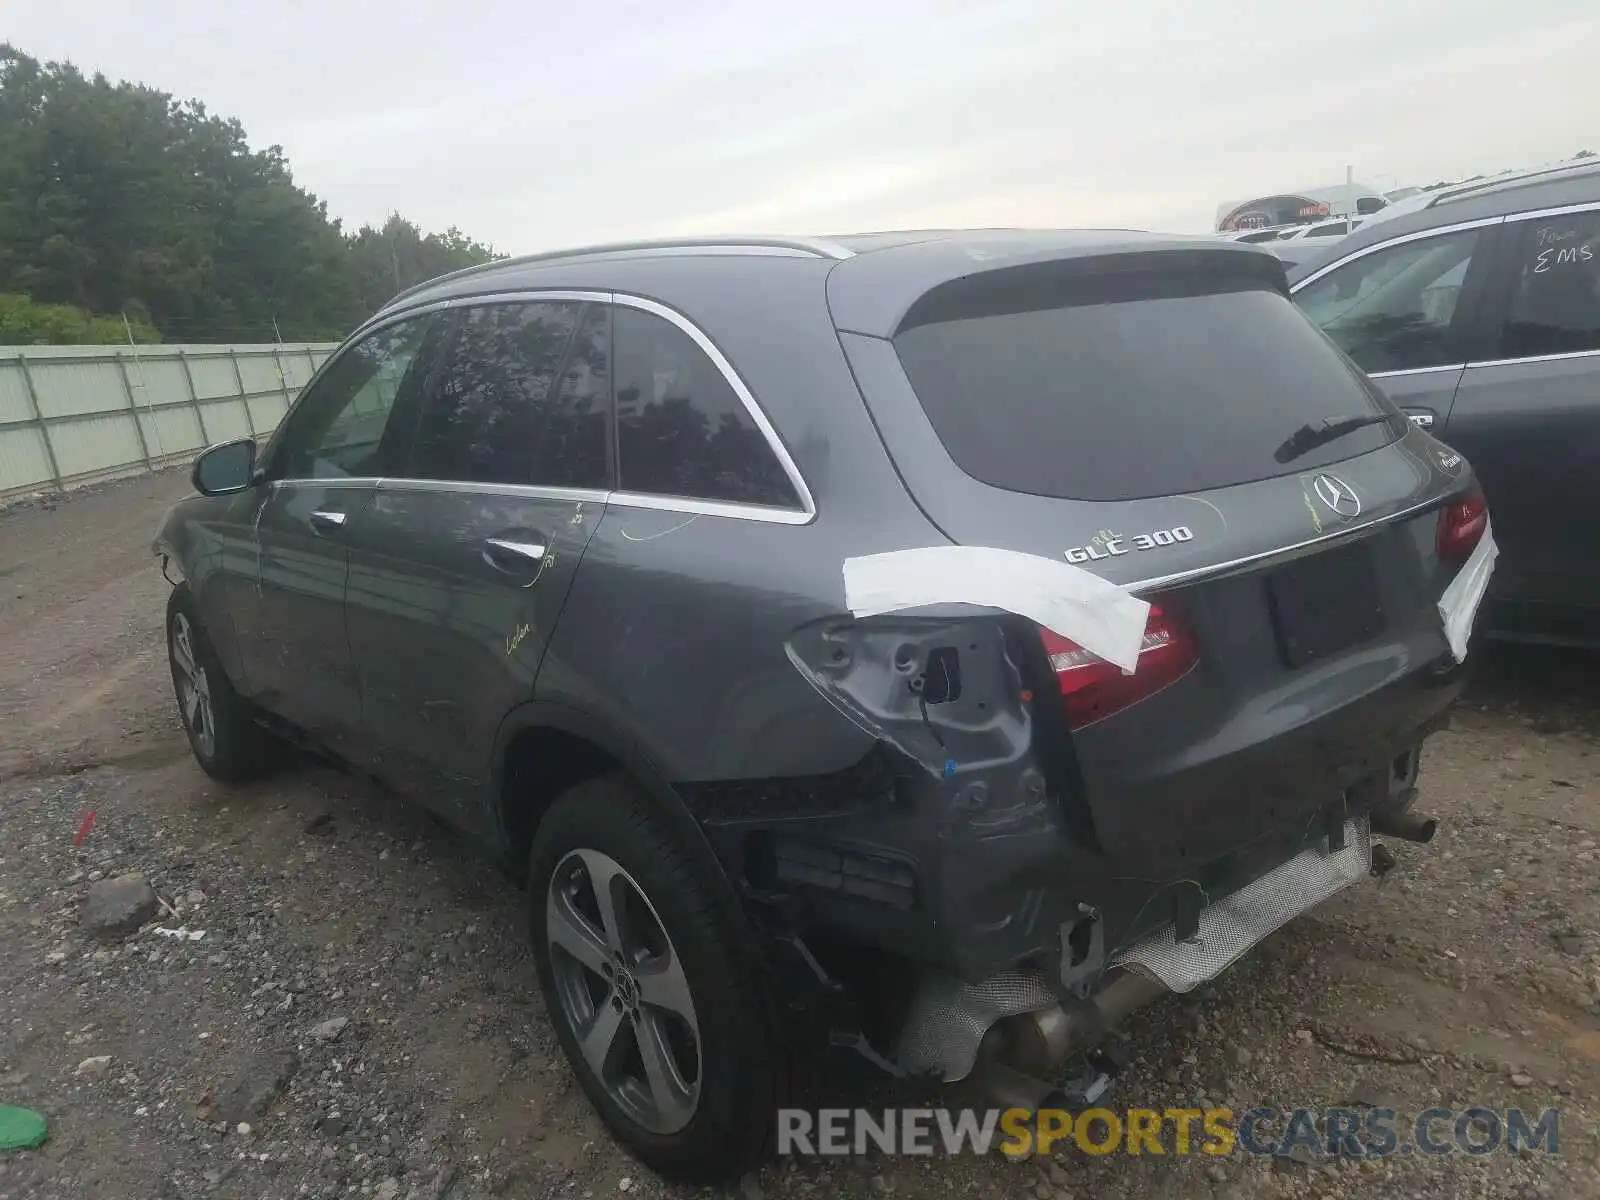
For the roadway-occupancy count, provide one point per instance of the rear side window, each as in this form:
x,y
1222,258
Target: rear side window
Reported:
x,y
522,399
1169,386
1555,303
681,428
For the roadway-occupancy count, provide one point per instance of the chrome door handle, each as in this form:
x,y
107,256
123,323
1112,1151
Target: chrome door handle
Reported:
x,y
325,519
530,552
1421,418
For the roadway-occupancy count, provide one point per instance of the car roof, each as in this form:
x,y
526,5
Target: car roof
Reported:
x,y
1508,194
873,278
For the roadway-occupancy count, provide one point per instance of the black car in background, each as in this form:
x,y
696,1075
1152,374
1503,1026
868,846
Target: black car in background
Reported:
x,y
1478,312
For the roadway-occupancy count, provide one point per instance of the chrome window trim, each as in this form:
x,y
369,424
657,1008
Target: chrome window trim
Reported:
x,y
1415,371
1533,358
526,296
1403,239
1540,214
335,481
803,515
712,508
521,491
1265,556
381,320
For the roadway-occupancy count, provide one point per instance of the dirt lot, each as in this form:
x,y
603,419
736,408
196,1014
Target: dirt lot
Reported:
x,y
362,1001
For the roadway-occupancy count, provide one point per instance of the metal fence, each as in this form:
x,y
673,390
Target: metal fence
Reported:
x,y
71,415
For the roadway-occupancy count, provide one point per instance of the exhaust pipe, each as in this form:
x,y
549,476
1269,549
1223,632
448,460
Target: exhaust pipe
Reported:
x,y
1404,824
1007,1087
1018,1055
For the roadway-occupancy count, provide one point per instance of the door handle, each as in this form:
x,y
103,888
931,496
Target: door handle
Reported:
x,y
512,555
1422,418
326,521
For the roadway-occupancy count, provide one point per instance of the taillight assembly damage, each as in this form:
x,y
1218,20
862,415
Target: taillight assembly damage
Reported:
x,y
1465,543
1093,689
1462,523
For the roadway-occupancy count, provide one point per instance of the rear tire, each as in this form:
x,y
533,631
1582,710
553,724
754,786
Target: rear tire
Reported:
x,y
227,742
656,965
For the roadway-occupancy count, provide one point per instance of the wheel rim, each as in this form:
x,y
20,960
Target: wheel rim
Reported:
x,y
622,991
194,690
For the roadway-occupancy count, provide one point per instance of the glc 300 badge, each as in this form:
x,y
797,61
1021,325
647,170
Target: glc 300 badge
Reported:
x,y
1109,545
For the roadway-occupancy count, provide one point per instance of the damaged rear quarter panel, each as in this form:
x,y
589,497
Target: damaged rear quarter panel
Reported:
x,y
694,638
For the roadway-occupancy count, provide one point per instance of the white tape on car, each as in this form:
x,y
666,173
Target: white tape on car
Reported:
x,y
1077,604
1459,604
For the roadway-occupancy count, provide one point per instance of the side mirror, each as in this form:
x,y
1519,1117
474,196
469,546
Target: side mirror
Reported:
x,y
224,468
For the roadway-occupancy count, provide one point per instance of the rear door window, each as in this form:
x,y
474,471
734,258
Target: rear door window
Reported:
x,y
1555,301
1393,309
682,430
1145,385
522,399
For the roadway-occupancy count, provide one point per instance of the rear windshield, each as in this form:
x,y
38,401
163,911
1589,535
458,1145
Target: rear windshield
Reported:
x,y
1171,387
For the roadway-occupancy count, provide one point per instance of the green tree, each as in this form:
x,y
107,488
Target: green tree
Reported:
x,y
399,255
116,198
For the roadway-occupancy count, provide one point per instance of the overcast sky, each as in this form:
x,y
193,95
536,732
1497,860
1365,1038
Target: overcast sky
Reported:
x,y
536,124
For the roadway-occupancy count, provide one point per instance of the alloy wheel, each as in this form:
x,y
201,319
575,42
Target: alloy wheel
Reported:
x,y
622,990
194,690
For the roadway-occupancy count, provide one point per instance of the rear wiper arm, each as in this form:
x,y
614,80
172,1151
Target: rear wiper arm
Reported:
x,y
1308,437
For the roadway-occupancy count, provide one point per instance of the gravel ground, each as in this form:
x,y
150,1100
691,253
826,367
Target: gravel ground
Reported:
x,y
360,1016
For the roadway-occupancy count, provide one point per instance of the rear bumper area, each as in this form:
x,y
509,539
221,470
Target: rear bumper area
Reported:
x,y
921,867
945,1029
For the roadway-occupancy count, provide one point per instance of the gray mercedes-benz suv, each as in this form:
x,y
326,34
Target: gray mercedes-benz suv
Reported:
x,y
1478,311
931,645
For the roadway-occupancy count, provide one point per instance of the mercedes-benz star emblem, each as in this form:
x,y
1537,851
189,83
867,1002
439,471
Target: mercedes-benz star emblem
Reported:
x,y
1337,495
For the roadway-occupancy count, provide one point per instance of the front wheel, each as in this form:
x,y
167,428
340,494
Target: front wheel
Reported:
x,y
659,1015
227,742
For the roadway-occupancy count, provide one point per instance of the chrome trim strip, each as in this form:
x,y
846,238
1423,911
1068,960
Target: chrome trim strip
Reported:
x,y
1539,214
713,508
340,481
1533,358
1414,371
527,296
1251,560
808,506
518,491
1419,235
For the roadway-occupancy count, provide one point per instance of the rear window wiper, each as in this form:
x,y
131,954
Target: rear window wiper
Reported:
x,y
1308,437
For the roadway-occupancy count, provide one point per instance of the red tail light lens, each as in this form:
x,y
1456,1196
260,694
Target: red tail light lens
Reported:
x,y
1461,526
1092,689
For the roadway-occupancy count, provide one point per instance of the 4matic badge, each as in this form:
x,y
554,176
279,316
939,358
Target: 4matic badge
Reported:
x,y
1106,544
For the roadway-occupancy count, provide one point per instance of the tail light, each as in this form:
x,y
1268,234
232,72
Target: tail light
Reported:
x,y
1092,689
1461,525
